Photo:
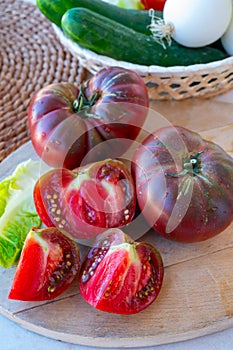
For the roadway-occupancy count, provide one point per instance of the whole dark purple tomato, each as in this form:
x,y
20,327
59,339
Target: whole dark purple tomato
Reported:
x,y
184,184
67,122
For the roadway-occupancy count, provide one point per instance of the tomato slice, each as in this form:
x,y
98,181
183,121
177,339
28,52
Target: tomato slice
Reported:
x,y
49,263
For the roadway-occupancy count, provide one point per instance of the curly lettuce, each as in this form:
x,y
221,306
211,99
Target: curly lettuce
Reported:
x,y
17,210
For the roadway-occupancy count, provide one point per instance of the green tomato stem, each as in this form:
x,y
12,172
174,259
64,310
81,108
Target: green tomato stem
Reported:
x,y
191,166
82,103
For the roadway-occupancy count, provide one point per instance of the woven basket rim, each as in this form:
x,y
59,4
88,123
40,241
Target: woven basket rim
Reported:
x,y
216,66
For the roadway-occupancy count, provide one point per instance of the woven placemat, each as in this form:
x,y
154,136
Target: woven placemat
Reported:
x,y
30,57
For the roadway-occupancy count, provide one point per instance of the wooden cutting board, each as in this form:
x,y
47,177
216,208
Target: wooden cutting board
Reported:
x,y
197,294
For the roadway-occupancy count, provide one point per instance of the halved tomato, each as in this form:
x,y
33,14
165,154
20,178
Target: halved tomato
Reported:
x,y
87,201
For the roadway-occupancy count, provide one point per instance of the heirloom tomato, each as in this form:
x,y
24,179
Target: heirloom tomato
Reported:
x,y
49,263
184,184
67,122
157,5
88,200
120,275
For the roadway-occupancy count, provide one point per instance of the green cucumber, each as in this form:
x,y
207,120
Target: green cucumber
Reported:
x,y
107,37
135,19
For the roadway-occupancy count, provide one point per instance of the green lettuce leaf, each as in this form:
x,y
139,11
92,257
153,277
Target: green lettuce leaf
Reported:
x,y
17,210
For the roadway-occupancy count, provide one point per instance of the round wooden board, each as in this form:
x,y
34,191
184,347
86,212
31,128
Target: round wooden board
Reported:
x,y
197,294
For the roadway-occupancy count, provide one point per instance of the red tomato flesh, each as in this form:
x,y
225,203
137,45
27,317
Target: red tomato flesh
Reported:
x,y
157,5
87,201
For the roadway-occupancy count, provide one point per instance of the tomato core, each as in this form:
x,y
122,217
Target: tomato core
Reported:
x,y
192,166
82,102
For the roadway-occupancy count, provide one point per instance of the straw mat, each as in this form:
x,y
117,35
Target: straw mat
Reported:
x,y
31,57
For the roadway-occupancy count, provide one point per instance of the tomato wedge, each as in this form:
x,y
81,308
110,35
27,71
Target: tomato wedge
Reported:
x,y
120,275
49,263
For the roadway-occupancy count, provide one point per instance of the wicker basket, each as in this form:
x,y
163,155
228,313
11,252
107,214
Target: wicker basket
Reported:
x,y
178,82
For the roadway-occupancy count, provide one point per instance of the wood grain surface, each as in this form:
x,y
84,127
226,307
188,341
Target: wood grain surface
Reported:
x,y
197,294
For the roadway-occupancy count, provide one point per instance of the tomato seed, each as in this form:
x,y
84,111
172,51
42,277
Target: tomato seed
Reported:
x,y
85,277
95,264
51,289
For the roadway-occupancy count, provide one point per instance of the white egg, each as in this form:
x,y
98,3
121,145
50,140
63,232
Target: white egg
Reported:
x,y
227,39
197,23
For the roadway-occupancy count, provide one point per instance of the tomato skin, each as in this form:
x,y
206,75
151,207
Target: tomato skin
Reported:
x,y
66,121
157,5
49,263
119,275
181,200
88,200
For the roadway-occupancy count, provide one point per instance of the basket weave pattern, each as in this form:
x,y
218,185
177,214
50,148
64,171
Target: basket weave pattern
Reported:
x,y
200,80
31,56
